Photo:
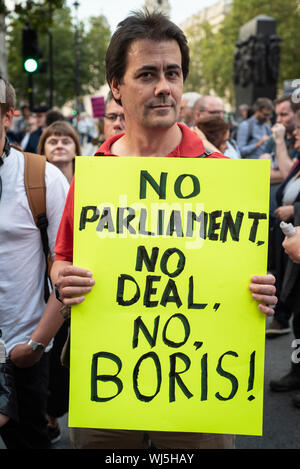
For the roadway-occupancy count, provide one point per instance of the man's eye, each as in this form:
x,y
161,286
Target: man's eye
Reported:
x,y
146,75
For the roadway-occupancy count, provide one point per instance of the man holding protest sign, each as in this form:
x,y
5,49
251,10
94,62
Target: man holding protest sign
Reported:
x,y
147,79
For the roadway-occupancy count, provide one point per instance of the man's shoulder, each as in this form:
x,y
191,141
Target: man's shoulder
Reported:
x,y
246,122
192,146
105,147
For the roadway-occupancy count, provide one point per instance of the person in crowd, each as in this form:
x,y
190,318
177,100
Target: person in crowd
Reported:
x,y
86,128
53,115
147,62
212,107
208,106
59,142
31,126
291,246
216,132
281,150
253,133
288,196
242,113
281,146
114,121
22,304
186,115
34,137
21,124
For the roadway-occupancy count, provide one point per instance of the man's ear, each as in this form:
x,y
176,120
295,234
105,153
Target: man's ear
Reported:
x,y
115,89
8,118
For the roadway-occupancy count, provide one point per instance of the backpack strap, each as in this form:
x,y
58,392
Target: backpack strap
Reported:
x,y
206,153
203,155
34,181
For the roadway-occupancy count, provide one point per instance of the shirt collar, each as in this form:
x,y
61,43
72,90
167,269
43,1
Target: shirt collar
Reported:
x,y
6,151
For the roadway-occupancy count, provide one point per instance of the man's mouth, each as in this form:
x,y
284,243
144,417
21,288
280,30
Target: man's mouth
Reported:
x,y
161,106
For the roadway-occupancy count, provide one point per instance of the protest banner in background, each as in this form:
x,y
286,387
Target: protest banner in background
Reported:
x,y
169,338
98,107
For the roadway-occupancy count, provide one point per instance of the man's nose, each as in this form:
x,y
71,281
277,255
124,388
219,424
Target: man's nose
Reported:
x,y
119,123
163,86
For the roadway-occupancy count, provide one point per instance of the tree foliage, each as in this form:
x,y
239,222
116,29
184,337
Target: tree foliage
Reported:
x,y
93,43
215,50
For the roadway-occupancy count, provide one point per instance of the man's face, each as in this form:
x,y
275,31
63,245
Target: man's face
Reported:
x,y
151,88
6,120
114,122
286,116
186,113
40,119
263,115
213,107
297,134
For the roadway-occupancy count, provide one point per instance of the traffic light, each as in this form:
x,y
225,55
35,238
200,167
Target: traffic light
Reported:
x,y
30,50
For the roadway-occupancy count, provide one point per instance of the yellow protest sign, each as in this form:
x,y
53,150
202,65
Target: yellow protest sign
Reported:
x,y
169,338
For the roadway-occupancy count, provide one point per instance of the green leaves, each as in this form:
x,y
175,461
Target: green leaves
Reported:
x,y
94,38
212,49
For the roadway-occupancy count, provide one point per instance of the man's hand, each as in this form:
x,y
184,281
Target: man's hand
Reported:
x,y
262,140
73,282
23,356
278,132
3,419
285,213
265,156
292,246
263,290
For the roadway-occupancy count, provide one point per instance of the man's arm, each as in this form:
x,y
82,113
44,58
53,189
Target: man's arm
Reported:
x,y
284,160
51,321
242,140
246,149
276,176
292,246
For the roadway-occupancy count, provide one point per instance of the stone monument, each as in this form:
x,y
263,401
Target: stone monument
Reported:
x,y
256,61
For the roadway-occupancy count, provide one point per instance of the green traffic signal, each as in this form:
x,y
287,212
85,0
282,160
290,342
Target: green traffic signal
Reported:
x,y
30,65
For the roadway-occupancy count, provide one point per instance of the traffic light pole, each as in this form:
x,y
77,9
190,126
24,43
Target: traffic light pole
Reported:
x,y
30,91
51,77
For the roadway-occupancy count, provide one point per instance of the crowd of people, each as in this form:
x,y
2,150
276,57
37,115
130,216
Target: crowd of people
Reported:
x,y
146,115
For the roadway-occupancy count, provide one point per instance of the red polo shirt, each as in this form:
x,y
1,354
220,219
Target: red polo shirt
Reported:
x,y
191,146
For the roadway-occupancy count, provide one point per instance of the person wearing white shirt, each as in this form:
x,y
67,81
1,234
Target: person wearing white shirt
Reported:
x,y
22,268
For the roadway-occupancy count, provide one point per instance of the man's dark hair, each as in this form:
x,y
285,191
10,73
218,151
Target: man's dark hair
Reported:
x,y
289,98
53,116
262,103
142,25
8,100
